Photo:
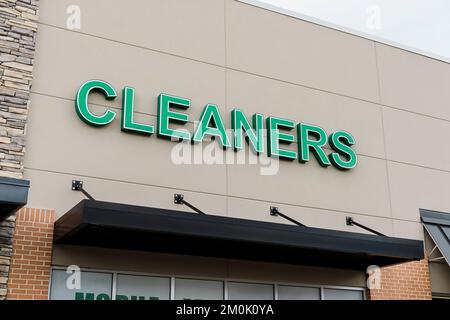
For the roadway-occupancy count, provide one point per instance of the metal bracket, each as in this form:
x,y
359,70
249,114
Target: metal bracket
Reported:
x,y
178,198
435,248
77,185
350,222
274,211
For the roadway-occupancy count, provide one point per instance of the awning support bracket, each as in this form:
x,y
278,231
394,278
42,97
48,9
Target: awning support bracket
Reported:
x,y
77,185
436,259
351,222
179,199
431,253
274,211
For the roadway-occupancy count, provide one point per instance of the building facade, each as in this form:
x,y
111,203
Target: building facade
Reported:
x,y
383,114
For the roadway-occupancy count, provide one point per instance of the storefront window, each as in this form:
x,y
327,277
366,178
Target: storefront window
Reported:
x,y
250,291
342,294
99,285
190,289
298,293
131,287
91,285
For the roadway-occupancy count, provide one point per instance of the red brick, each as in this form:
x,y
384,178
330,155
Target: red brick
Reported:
x,y
31,260
404,281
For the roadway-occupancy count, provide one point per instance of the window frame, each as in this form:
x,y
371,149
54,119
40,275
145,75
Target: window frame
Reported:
x,y
225,281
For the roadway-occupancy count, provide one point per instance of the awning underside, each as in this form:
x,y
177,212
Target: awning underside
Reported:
x,y
111,225
438,227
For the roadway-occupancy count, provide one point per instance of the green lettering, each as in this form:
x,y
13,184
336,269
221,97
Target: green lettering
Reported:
x,y
275,137
255,135
305,144
82,106
84,296
128,123
341,142
165,116
211,124
103,296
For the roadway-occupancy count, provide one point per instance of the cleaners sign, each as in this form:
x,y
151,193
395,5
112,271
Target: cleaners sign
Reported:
x,y
310,139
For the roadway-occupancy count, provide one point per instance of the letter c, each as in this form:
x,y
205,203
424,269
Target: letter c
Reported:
x,y
82,106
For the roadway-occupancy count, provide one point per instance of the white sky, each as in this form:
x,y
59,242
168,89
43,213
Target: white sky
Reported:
x,y
419,24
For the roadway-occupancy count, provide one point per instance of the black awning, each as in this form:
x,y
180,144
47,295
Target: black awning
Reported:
x,y
437,225
13,195
112,225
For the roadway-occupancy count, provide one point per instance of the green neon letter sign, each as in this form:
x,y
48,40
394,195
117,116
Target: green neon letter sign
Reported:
x,y
275,137
306,145
239,123
166,101
82,106
128,123
340,141
211,115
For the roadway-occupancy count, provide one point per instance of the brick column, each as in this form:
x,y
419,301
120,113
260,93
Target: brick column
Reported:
x,y
18,26
406,281
29,274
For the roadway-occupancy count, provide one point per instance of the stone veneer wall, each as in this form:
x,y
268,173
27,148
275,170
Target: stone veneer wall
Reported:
x,y
18,26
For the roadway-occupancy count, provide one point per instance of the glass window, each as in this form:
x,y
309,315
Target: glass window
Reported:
x,y
298,293
131,287
250,291
189,289
342,294
92,285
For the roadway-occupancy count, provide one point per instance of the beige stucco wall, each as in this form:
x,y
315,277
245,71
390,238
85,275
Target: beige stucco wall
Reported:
x,y
394,102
